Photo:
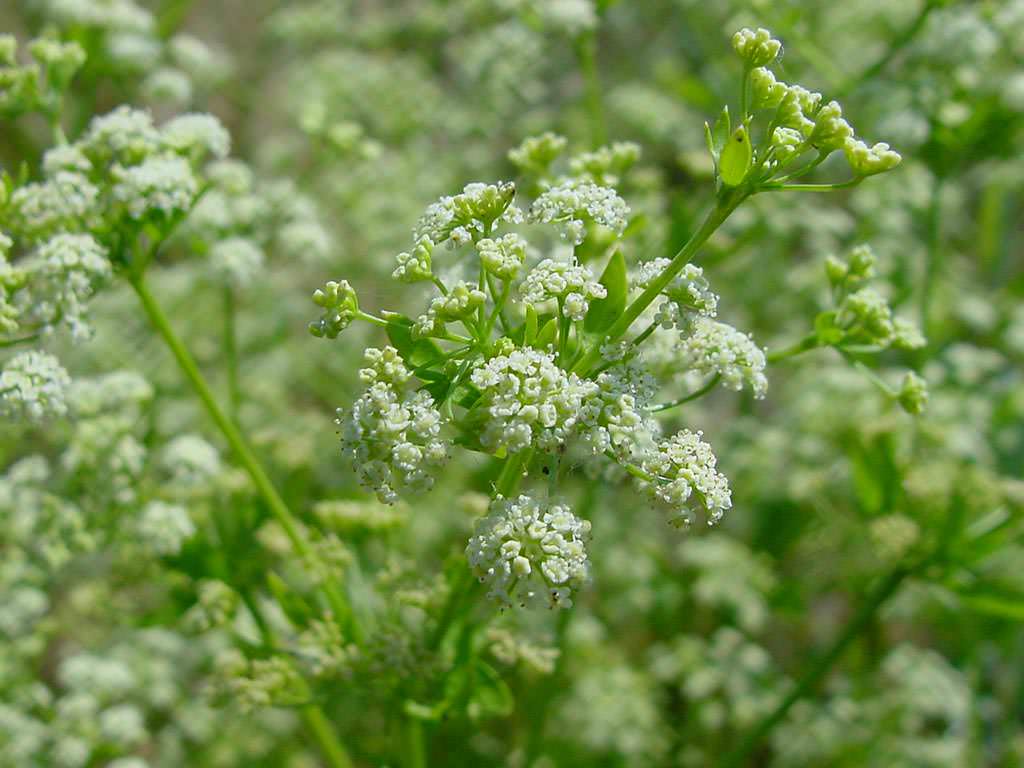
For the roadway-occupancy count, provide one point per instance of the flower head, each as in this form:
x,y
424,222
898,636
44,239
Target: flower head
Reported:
x,y
529,552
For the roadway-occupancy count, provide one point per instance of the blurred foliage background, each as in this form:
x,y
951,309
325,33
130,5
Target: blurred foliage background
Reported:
x,y
353,116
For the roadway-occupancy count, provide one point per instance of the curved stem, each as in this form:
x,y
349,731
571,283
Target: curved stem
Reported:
x,y
857,623
711,383
805,344
712,221
239,446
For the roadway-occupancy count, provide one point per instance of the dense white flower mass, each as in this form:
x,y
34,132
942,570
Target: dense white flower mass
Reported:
x,y
163,183
125,134
710,347
529,551
191,461
689,292
65,271
474,211
197,133
684,476
572,285
163,527
33,385
574,202
237,261
67,200
393,440
529,400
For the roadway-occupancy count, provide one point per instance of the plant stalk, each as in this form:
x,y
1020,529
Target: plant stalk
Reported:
x,y
857,624
238,444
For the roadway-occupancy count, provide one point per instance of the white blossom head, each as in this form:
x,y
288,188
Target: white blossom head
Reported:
x,y
33,386
530,552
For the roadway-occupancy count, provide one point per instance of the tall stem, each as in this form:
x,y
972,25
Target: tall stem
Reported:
x,y
333,750
723,207
239,446
857,623
231,352
586,52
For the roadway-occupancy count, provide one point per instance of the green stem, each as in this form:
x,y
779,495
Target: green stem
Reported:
x,y
14,342
711,383
857,623
807,343
723,207
897,44
512,472
416,743
812,187
586,52
333,750
934,255
231,352
239,446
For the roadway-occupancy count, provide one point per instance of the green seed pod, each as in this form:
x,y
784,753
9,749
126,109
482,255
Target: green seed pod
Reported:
x,y
737,155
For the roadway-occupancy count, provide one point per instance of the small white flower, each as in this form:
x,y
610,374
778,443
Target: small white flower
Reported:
x,y
685,475
162,183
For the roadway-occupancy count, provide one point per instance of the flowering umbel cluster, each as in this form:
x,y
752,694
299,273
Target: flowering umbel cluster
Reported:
x,y
525,350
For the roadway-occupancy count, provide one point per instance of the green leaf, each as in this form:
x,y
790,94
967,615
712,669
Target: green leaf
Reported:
x,y
294,607
736,158
415,352
546,336
491,696
604,312
530,327
828,333
992,600
720,133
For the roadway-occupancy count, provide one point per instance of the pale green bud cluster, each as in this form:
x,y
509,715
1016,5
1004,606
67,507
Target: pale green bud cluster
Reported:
x,y
414,267
606,165
340,305
461,302
756,47
536,154
503,257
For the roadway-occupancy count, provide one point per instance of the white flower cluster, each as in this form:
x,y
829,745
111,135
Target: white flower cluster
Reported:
x,y
163,183
163,528
529,400
190,461
66,200
394,441
711,347
236,261
683,471
529,552
689,292
33,385
572,285
573,202
457,218
63,274
614,418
